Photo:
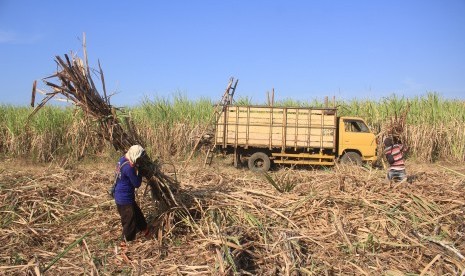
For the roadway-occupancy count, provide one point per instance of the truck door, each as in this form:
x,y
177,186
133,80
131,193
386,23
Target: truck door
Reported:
x,y
355,135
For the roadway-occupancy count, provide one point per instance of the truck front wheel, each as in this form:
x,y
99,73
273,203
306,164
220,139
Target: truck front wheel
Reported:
x,y
259,162
351,158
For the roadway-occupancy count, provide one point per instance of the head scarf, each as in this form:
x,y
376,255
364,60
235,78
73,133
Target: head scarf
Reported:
x,y
134,152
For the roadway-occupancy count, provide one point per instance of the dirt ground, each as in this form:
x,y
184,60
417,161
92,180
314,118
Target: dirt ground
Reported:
x,y
326,221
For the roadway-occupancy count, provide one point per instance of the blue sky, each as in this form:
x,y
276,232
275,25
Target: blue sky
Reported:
x,y
303,49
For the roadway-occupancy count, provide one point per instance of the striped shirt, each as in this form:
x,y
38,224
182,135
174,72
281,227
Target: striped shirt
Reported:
x,y
398,157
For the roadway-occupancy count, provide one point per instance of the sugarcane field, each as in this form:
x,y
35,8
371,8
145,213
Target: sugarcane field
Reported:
x,y
230,187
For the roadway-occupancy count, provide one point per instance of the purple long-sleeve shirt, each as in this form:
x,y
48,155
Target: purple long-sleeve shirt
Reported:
x,y
126,184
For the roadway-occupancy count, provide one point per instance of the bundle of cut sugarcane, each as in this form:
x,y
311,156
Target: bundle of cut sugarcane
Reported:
x,y
73,80
397,126
395,129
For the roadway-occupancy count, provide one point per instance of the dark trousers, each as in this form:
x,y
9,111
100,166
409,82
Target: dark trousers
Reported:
x,y
132,220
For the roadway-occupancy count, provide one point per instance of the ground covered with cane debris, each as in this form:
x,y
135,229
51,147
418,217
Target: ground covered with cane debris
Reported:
x,y
324,221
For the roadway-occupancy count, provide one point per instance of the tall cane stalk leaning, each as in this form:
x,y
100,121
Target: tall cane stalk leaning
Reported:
x,y
73,80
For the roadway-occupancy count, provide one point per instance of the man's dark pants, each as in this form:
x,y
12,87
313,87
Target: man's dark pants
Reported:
x,y
132,219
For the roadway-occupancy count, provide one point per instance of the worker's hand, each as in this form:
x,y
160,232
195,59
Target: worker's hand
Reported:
x,y
405,148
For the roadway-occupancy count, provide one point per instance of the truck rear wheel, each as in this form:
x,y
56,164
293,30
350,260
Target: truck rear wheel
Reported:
x,y
259,162
351,158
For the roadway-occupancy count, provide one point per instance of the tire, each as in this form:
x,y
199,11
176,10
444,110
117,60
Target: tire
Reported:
x,y
351,158
259,162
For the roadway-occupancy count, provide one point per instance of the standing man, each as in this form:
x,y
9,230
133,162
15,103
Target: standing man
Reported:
x,y
395,157
128,179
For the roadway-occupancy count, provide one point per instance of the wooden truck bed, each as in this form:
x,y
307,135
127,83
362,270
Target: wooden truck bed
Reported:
x,y
276,127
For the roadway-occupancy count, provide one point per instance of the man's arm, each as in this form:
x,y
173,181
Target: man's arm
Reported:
x,y
136,180
403,148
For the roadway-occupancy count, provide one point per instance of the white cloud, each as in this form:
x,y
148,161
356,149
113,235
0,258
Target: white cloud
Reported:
x,y
412,85
7,37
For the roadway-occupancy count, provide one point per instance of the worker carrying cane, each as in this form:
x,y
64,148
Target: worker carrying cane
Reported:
x,y
128,179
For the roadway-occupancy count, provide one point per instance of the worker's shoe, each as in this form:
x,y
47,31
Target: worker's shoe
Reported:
x,y
147,232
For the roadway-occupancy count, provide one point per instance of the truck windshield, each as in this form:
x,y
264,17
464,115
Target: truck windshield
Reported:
x,y
355,126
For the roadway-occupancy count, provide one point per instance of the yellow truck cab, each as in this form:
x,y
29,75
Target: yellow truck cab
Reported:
x,y
356,142
292,135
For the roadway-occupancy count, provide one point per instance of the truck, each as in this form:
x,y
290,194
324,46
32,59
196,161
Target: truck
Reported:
x,y
262,135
